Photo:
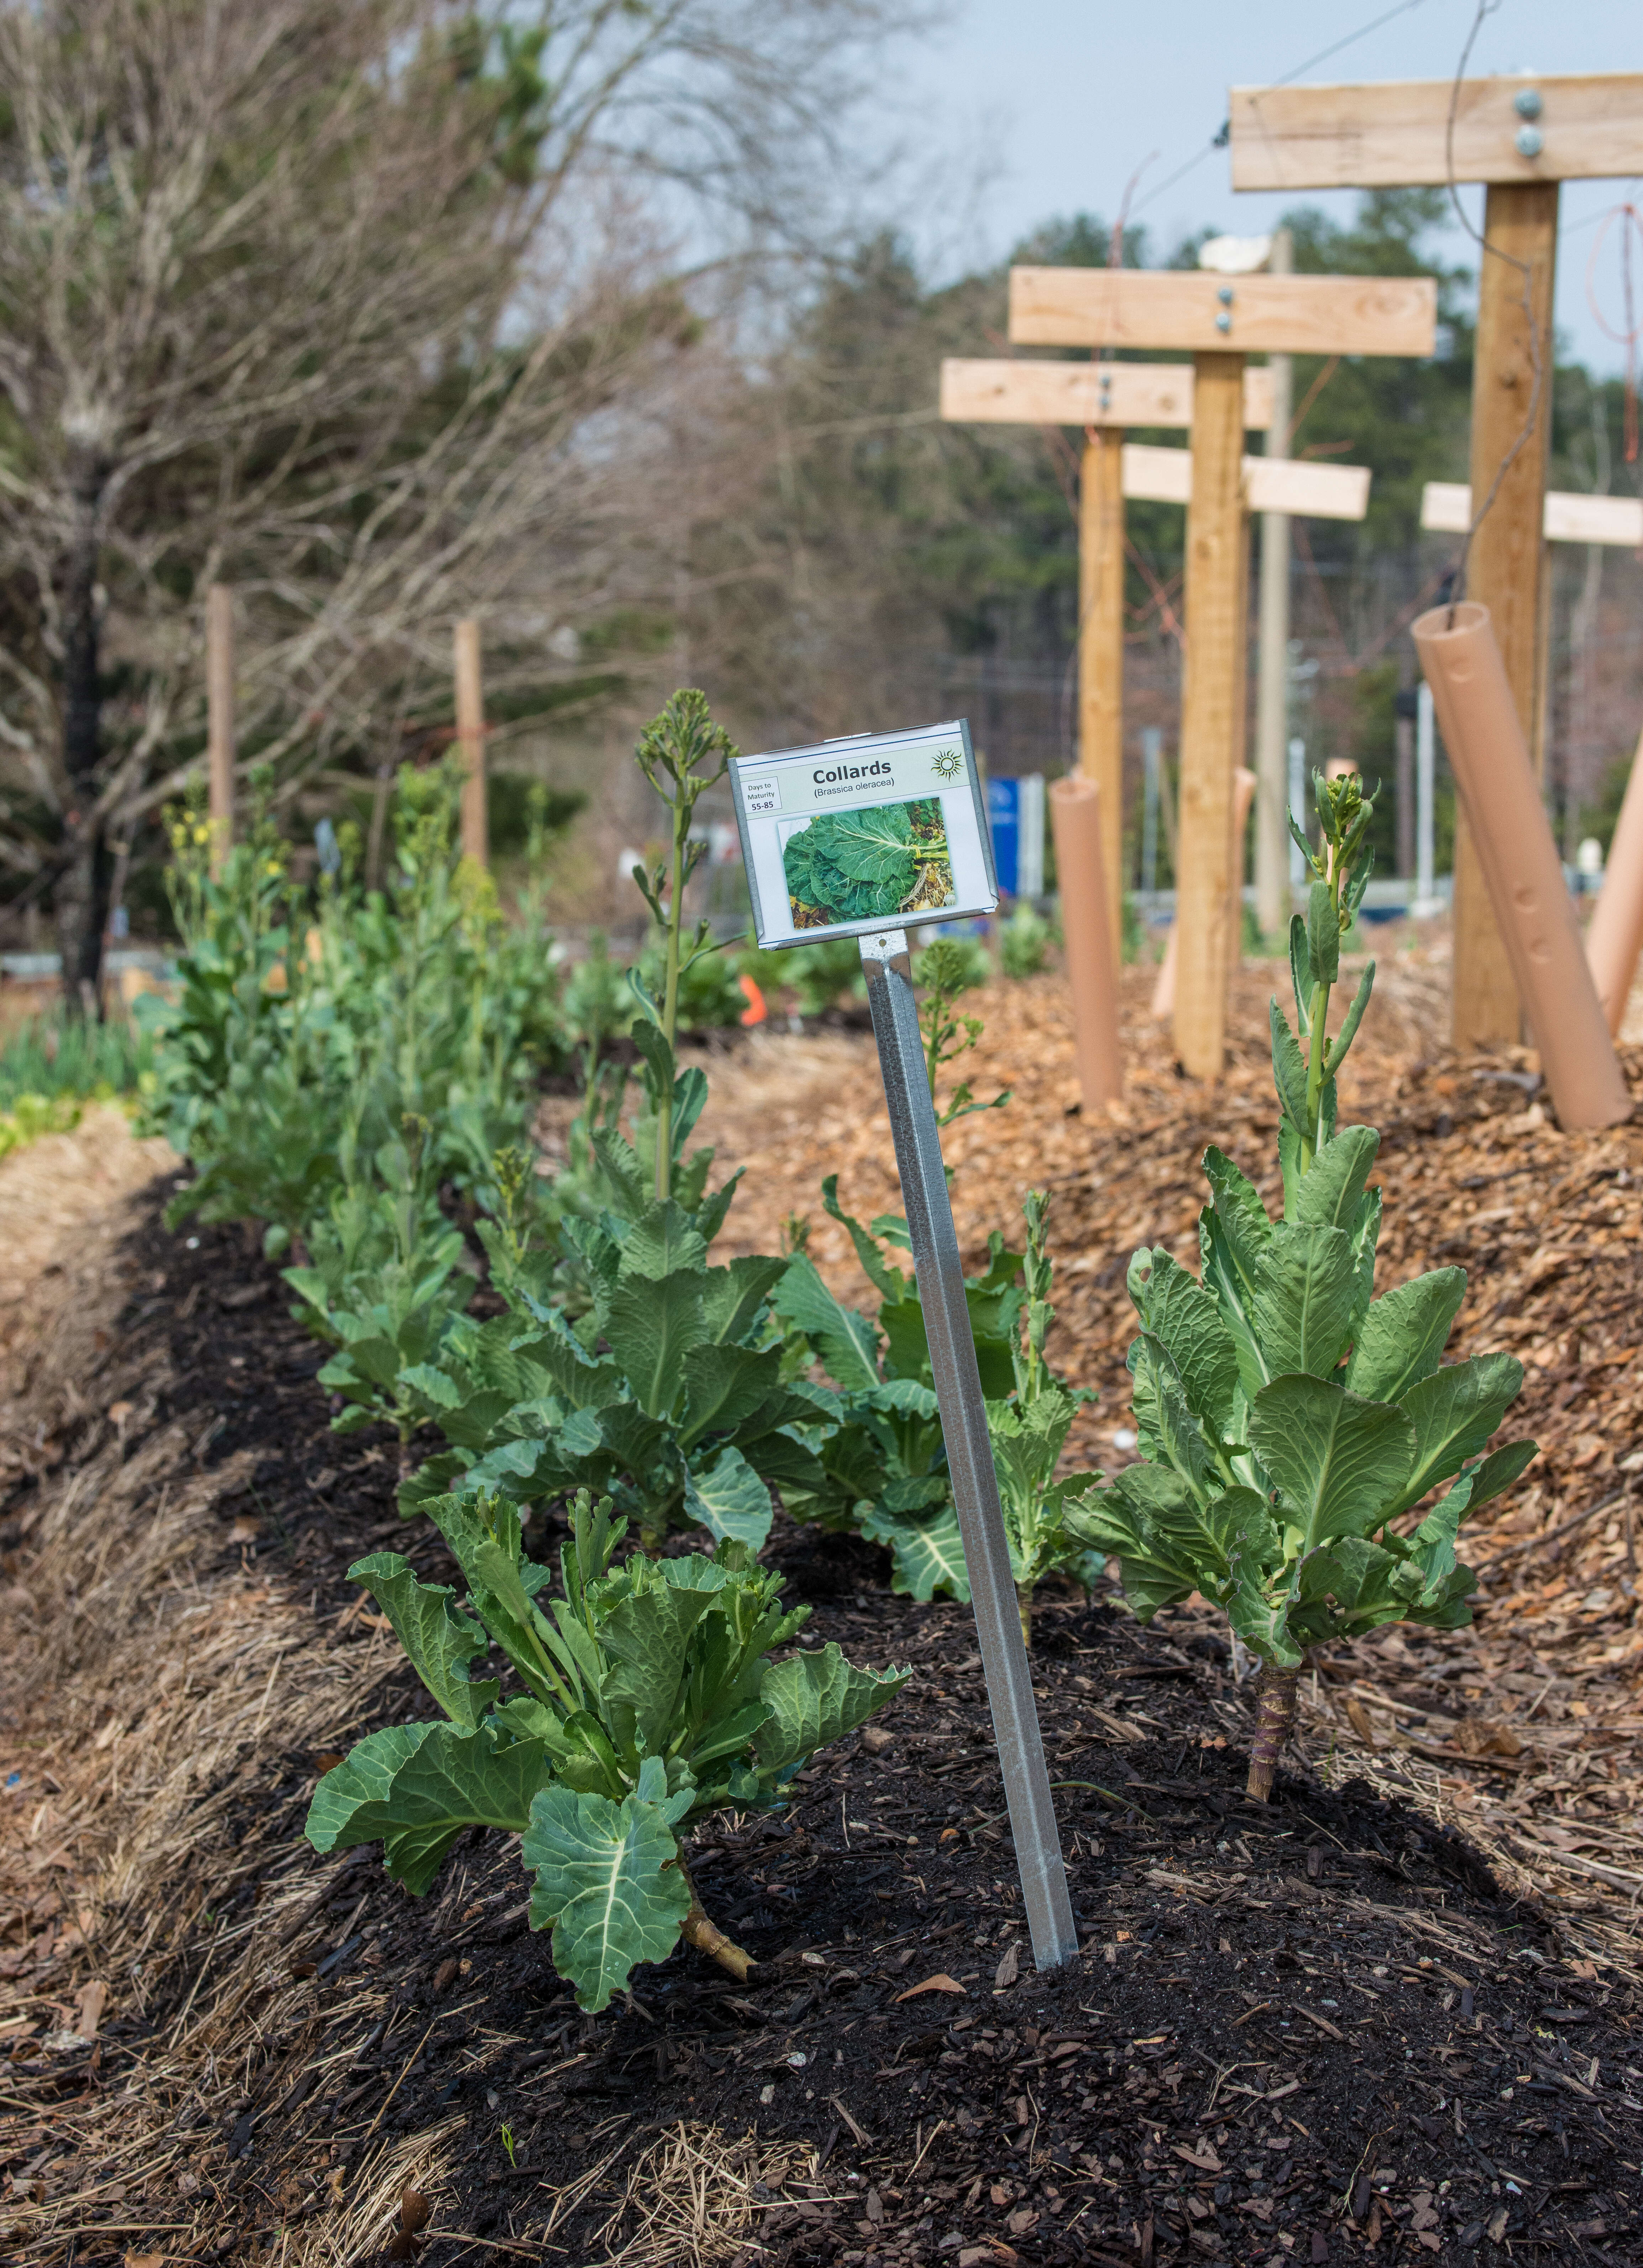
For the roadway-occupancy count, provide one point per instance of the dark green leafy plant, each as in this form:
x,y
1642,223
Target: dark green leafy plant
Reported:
x,y
647,1698
852,865
1292,1426
879,1443
1028,1434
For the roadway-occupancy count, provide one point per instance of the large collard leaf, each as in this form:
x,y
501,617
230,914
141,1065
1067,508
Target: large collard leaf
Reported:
x,y
663,1240
723,1386
1163,1415
1301,976
732,1297
1289,1071
815,1698
1323,935
1402,1335
928,1550
846,1341
1140,1521
1337,1461
1303,1299
1257,1609
729,1500
484,1535
440,1641
1330,1190
1453,1412
1178,1310
607,1880
1239,1209
651,1327
647,1635
414,1788
1494,1473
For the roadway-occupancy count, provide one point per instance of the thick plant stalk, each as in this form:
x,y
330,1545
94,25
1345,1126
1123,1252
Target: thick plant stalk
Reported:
x,y
1024,1607
1274,1716
707,1937
670,1006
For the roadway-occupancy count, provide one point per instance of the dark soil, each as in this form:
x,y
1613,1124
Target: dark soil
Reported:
x,y
1294,2031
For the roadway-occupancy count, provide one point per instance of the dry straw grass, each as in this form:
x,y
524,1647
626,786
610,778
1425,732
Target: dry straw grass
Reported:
x,y
692,2199
151,1688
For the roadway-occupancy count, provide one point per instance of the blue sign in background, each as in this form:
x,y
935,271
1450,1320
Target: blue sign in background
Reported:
x,y
1015,816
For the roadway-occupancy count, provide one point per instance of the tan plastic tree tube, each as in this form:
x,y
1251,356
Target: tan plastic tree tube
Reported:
x,y
1478,719
1075,822
1614,937
1243,796
1164,984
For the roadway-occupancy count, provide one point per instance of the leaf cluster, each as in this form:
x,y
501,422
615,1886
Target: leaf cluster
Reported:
x,y
646,1697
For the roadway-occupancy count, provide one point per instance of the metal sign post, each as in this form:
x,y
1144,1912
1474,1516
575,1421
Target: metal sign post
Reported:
x,y
888,966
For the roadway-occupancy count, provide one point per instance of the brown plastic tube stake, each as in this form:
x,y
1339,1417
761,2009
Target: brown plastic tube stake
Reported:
x,y
1243,796
1164,985
1478,719
1075,821
1615,936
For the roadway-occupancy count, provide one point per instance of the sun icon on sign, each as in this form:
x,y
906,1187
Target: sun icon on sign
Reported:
x,y
948,764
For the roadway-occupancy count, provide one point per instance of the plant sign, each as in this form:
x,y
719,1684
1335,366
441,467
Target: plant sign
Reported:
x,y
865,837
844,837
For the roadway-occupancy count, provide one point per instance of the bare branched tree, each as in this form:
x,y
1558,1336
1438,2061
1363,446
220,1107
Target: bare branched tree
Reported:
x,y
366,306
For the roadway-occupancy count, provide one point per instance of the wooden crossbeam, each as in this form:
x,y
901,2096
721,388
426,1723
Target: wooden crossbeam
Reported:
x,y
1086,393
1293,484
1396,135
1446,509
1192,311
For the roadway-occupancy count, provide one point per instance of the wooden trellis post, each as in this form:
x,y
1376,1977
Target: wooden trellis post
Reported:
x,y
1218,321
1104,398
1522,136
470,733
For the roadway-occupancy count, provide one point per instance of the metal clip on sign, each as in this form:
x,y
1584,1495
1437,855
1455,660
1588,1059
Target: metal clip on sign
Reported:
x,y
890,997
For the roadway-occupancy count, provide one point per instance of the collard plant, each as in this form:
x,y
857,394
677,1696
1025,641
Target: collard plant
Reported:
x,y
1292,1426
668,1392
647,1698
852,865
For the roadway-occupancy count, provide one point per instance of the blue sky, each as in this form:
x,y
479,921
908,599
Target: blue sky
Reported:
x,y
1057,102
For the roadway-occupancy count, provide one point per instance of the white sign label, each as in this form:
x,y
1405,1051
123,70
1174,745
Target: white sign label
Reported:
x,y
843,839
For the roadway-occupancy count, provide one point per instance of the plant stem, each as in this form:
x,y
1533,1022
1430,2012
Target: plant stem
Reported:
x,y
1024,1607
708,1938
670,1003
1274,1715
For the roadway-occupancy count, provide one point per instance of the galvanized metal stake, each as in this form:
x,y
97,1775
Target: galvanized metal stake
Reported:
x,y
888,969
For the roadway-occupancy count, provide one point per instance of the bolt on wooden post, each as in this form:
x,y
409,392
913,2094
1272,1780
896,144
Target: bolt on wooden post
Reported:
x,y
219,720
1522,136
1219,321
470,734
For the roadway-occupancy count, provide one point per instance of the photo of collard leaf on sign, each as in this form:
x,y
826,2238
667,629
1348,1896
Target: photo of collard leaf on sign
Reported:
x,y
852,865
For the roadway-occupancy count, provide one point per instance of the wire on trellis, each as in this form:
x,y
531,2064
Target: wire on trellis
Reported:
x,y
1631,224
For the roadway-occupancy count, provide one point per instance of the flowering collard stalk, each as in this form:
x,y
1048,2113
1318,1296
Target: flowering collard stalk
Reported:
x,y
682,753
1292,1425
